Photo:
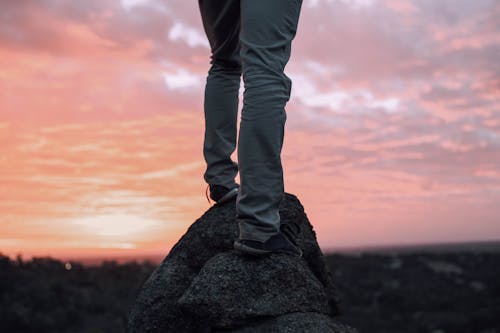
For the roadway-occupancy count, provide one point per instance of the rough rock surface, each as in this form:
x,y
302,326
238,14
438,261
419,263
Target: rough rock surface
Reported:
x,y
203,285
272,286
296,322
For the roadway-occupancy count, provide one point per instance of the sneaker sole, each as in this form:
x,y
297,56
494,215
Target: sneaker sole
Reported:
x,y
228,196
250,250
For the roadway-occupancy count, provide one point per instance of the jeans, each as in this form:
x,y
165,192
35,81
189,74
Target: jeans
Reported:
x,y
249,38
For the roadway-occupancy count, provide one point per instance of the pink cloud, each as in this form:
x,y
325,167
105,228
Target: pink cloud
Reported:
x,y
393,114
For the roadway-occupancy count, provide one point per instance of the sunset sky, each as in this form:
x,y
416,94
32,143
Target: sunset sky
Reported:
x,y
392,133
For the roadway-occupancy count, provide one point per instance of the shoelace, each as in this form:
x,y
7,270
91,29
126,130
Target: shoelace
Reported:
x,y
291,230
206,193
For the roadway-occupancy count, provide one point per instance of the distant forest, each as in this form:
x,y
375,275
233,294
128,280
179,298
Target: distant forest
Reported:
x,y
406,292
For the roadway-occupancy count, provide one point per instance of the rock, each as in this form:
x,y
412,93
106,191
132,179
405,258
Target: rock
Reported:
x,y
203,285
231,290
310,322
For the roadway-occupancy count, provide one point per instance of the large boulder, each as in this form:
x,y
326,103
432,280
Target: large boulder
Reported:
x,y
231,290
203,285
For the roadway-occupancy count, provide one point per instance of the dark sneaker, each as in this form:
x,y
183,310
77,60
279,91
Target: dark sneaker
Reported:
x,y
277,243
291,229
221,194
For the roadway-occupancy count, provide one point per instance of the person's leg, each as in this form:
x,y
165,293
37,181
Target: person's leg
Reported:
x,y
267,30
221,21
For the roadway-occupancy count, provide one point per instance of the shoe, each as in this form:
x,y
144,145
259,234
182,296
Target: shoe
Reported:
x,y
291,229
277,243
221,194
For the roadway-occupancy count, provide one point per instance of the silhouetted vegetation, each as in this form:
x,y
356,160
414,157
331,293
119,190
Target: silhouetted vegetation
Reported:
x,y
419,292
452,292
46,295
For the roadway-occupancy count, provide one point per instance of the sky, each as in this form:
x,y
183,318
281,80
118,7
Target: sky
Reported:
x,y
392,132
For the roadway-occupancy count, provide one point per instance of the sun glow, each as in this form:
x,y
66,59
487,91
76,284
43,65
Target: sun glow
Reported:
x,y
114,226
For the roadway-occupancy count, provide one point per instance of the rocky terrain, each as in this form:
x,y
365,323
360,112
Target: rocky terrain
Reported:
x,y
203,285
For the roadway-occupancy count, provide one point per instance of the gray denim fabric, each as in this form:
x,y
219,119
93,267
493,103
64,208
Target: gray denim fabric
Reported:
x,y
251,38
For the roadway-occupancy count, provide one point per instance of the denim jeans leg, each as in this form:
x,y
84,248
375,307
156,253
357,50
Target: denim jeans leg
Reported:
x,y
267,30
221,22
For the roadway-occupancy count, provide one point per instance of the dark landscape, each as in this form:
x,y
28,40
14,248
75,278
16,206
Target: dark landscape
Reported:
x,y
423,289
